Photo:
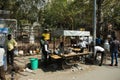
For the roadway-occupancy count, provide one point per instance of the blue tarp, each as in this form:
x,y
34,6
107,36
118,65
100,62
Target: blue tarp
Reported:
x,y
4,30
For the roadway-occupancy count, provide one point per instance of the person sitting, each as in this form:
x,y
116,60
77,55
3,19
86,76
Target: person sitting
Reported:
x,y
60,48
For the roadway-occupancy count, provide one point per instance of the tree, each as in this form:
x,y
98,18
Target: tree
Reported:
x,y
63,13
108,11
70,15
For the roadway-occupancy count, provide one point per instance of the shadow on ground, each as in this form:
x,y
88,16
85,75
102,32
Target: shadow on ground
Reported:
x,y
49,66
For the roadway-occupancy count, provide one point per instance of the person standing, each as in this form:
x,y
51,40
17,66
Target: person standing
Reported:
x,y
110,32
45,52
98,41
2,71
115,45
107,49
82,44
106,46
11,45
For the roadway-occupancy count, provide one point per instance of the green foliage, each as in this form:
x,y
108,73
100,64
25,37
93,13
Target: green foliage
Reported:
x,y
70,14
111,12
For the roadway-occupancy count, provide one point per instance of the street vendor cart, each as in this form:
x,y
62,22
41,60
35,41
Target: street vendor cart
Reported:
x,y
71,54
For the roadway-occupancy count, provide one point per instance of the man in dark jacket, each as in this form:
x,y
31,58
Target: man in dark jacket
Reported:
x,y
115,45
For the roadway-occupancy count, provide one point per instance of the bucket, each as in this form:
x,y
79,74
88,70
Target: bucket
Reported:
x,y
34,63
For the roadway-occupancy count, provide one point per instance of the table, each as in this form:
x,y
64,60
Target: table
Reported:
x,y
67,60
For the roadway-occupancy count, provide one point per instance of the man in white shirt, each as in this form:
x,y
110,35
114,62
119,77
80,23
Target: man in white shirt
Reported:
x,y
99,49
2,72
82,44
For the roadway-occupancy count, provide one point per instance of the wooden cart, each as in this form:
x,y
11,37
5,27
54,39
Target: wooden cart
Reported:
x,y
70,59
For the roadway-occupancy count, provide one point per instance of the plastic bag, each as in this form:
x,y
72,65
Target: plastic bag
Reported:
x,y
16,52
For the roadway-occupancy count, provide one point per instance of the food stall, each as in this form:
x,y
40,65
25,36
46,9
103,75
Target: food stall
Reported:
x,y
72,52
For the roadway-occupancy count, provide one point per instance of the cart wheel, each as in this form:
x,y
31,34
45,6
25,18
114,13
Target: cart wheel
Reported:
x,y
66,64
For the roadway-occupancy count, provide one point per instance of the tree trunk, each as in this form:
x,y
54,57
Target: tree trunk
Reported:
x,y
99,6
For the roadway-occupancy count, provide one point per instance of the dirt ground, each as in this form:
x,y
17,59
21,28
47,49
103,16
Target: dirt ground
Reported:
x,y
25,73
52,72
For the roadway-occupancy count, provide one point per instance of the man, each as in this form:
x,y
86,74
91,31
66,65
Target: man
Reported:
x,y
45,49
110,32
115,45
2,72
45,52
11,45
106,46
98,41
82,44
99,49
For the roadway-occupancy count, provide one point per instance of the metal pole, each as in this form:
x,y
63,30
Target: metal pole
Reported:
x,y
94,33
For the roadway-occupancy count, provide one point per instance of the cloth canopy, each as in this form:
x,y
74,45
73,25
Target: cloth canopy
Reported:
x,y
72,33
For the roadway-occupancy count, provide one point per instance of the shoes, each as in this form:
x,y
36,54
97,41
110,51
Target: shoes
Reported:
x,y
100,64
111,65
116,64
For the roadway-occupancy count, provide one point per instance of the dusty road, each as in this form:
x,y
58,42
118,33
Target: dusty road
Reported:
x,y
85,72
98,73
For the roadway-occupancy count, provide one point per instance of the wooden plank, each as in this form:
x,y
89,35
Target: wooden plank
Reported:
x,y
54,56
75,54
76,49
